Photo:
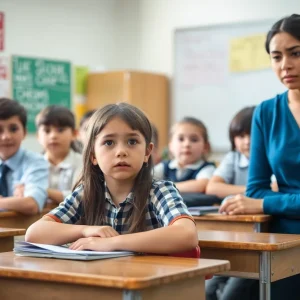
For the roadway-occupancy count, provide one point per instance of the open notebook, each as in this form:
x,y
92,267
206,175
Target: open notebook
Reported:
x,y
43,250
202,210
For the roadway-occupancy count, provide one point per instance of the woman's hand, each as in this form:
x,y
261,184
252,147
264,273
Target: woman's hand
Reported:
x,y
240,204
94,243
99,231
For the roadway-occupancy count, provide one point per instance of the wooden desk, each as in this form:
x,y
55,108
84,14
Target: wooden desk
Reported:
x,y
133,277
12,219
264,256
7,238
245,223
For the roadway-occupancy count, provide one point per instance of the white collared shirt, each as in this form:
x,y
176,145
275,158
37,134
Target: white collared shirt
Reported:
x,y
204,173
233,168
63,176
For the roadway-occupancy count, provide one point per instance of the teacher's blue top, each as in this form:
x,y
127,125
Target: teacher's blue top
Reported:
x,y
275,149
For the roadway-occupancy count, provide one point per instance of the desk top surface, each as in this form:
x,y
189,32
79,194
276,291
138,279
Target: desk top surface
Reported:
x,y
5,232
234,218
11,213
247,240
132,272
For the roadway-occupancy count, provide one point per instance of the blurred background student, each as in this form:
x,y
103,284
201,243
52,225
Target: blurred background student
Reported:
x,y
23,174
230,178
189,147
57,134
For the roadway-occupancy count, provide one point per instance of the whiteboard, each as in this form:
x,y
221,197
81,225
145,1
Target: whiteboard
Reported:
x,y
203,85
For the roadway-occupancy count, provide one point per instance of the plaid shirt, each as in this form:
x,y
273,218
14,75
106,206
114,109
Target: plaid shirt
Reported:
x,y
165,206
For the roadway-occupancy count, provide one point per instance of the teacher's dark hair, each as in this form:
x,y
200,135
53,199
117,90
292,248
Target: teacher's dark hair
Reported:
x,y
290,25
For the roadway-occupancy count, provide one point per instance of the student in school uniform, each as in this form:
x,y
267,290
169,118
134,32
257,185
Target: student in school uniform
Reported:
x,y
230,178
275,145
116,204
19,167
57,135
189,169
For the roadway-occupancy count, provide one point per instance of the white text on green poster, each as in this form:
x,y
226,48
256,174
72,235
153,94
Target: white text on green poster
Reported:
x,y
37,83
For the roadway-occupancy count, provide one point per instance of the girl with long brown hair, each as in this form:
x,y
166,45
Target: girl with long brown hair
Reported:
x,y
116,205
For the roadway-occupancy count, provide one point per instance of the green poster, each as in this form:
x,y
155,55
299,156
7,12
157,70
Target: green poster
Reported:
x,y
37,83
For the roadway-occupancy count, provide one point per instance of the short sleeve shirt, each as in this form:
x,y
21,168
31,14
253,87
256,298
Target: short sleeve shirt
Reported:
x,y
164,207
233,168
63,176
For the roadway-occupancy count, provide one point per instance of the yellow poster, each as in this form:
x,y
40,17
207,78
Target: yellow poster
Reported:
x,y
248,54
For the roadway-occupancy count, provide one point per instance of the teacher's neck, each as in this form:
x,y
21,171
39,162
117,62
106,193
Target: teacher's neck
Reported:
x,y
294,96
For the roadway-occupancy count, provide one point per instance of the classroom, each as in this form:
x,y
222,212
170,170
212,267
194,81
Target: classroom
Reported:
x,y
126,128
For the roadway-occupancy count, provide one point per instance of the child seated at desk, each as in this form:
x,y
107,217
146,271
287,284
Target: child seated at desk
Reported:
x,y
230,178
189,145
23,174
116,205
57,134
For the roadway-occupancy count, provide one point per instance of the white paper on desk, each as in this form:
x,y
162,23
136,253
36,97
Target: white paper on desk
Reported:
x,y
42,248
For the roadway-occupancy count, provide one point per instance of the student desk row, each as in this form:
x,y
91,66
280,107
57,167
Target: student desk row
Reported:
x,y
12,219
264,256
127,278
248,223
7,238
245,223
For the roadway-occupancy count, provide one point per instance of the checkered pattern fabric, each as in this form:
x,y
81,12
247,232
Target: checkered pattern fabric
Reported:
x,y
165,205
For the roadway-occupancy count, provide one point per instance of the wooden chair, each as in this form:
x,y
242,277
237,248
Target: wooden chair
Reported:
x,y
195,253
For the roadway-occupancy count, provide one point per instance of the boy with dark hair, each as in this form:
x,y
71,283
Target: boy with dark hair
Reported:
x,y
23,174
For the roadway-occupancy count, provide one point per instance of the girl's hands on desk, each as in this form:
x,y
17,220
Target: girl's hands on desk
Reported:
x,y
99,231
97,238
240,204
94,243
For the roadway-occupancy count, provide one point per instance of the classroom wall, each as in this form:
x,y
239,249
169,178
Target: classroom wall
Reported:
x,y
79,31
120,34
158,20
84,32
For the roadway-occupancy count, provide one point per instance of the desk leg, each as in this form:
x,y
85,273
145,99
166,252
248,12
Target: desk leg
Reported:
x,y
257,227
265,276
131,295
